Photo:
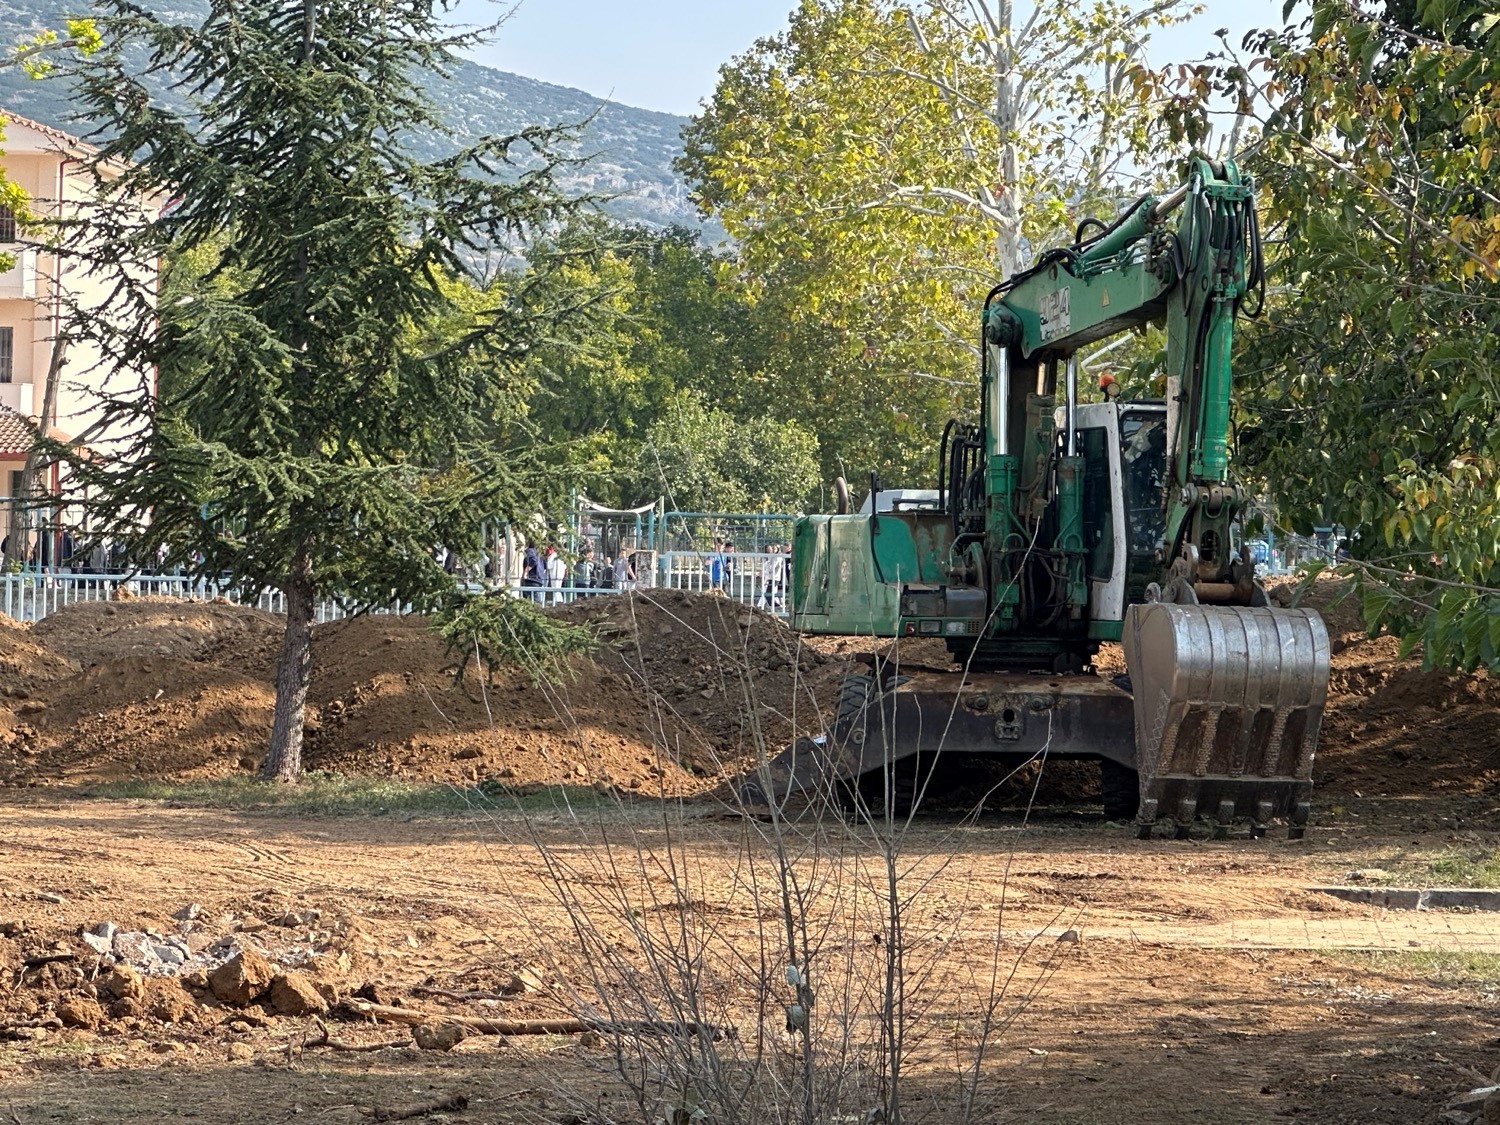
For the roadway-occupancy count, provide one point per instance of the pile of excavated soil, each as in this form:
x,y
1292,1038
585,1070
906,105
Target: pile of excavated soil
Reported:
x,y
153,688
1391,729
681,691
682,688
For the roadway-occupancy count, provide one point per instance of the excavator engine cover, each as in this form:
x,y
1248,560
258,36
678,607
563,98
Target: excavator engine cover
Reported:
x,y
1228,703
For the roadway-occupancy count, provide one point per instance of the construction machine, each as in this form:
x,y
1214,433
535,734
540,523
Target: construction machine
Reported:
x,y
1059,525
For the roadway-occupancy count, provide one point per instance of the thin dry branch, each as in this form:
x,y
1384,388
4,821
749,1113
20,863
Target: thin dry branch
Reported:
x,y
454,1103
325,1040
412,1017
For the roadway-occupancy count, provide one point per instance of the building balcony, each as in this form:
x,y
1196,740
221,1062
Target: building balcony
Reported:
x,y
18,282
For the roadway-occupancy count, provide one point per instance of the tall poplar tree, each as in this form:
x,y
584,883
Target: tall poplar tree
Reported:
x,y
328,389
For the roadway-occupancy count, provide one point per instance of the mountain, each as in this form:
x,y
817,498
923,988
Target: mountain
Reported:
x,y
629,150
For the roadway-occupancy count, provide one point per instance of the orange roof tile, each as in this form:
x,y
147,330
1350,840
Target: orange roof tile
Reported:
x,y
65,140
17,432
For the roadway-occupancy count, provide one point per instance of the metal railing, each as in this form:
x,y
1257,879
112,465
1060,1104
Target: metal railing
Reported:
x,y
692,570
33,595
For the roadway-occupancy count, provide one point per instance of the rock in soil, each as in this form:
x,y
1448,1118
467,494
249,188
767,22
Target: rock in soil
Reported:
x,y
438,1036
242,978
120,983
167,1000
80,1011
293,994
126,1009
1492,1109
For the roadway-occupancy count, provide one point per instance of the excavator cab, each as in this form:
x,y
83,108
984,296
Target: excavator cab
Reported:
x,y
1124,450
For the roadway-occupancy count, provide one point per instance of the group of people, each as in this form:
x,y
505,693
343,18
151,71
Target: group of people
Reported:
x,y
544,570
771,592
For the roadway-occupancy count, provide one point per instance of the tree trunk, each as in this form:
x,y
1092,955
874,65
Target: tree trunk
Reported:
x,y
284,760
17,541
1008,166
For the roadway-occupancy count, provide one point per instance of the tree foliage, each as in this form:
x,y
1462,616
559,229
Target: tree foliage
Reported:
x,y
330,387
882,165
1371,387
706,460
663,382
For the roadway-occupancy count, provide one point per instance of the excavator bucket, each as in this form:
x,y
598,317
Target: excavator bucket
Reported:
x,y
1228,704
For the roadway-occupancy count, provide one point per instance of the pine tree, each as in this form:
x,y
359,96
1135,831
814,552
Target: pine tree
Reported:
x,y
328,381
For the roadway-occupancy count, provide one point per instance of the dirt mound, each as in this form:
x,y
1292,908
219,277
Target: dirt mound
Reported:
x,y
183,690
682,688
679,691
1392,729
736,675
90,633
25,662
385,706
159,717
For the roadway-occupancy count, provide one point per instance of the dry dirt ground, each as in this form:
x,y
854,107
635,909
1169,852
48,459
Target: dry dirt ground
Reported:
x,y
1209,984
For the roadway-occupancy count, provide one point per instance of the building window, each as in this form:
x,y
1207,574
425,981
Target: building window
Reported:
x,y
7,353
7,224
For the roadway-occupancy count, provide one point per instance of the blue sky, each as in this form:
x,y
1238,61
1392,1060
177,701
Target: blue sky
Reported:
x,y
665,54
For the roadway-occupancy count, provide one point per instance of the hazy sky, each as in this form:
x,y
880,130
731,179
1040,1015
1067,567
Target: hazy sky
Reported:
x,y
665,54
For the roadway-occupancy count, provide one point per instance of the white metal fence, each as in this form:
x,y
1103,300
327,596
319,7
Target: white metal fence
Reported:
x,y
31,596
745,582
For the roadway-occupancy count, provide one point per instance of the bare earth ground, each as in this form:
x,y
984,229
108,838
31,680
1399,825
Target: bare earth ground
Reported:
x,y
1209,984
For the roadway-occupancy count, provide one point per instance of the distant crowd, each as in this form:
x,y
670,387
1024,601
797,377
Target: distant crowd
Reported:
x,y
546,572
544,569
771,592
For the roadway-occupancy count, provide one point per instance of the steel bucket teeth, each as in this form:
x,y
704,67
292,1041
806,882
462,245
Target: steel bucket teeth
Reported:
x,y
1228,704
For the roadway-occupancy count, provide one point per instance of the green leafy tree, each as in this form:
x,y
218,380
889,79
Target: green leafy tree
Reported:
x,y
329,382
665,323
1371,387
881,165
706,460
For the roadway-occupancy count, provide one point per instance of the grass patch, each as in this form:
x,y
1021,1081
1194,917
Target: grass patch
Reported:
x,y
1441,966
1471,869
1477,867
329,794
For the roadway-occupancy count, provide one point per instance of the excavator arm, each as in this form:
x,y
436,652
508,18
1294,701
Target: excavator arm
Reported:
x,y
1188,259
1228,693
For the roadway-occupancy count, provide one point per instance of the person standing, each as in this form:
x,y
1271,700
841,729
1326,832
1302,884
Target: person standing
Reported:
x,y
624,572
533,574
770,567
728,585
783,564
557,570
715,566
583,571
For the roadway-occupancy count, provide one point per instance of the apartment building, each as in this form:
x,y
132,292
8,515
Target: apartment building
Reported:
x,y
48,164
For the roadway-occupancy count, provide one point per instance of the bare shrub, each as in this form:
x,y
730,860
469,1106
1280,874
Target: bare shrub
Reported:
x,y
826,960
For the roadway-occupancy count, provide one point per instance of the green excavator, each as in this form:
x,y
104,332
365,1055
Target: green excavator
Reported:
x,y
1058,526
